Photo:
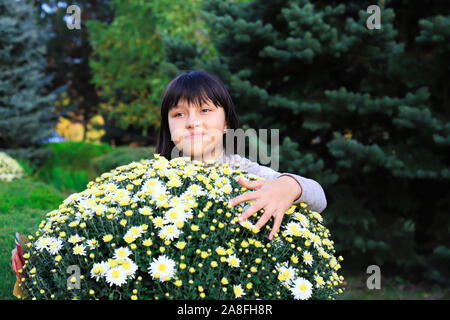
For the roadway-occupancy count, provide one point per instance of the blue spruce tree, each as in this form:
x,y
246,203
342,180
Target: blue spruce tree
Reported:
x,y
26,111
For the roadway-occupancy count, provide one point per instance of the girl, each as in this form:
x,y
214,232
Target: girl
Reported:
x,y
196,111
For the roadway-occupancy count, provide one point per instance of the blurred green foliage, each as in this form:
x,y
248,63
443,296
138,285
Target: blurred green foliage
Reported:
x,y
69,168
119,157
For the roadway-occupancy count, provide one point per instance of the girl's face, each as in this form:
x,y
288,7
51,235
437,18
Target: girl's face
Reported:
x,y
198,130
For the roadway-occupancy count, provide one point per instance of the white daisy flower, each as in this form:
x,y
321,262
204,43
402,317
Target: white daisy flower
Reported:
x,y
121,194
55,246
174,182
227,189
301,289
233,261
319,281
286,274
238,291
129,267
175,214
43,243
307,258
196,189
92,243
79,249
293,229
110,188
162,268
87,204
154,187
277,243
145,211
304,221
170,231
135,232
159,222
74,239
116,276
121,253
98,270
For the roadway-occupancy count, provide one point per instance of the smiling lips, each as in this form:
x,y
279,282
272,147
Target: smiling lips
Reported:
x,y
196,135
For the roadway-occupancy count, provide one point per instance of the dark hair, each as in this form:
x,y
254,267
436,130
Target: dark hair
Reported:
x,y
195,87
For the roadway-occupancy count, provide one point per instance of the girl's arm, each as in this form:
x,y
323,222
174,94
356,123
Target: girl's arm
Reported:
x,y
312,193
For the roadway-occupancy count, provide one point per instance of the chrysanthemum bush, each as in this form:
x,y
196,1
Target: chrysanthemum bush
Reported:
x,y
10,169
159,229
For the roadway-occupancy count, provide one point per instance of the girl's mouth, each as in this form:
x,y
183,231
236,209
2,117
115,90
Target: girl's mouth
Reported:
x,y
196,135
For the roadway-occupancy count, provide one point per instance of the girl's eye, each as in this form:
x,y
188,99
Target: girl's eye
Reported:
x,y
176,114
206,109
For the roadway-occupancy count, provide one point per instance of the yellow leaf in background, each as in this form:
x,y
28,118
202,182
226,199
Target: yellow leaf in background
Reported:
x,y
348,133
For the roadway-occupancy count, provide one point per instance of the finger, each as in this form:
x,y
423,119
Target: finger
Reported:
x,y
276,225
264,218
252,195
250,211
251,184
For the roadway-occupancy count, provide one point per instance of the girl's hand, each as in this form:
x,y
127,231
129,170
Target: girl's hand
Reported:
x,y
274,196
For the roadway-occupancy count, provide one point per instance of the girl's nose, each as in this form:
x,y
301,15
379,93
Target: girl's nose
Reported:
x,y
193,121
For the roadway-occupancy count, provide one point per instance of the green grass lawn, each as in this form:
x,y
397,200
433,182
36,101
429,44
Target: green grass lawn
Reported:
x,y
23,206
392,289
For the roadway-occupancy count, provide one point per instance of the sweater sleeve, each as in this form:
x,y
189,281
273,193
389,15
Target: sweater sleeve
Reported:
x,y
312,193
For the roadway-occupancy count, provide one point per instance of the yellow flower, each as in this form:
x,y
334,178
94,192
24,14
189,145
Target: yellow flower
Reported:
x,y
224,281
178,283
129,239
180,245
107,238
128,213
194,227
147,243
221,251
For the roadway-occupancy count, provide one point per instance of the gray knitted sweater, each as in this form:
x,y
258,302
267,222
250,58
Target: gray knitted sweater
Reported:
x,y
312,193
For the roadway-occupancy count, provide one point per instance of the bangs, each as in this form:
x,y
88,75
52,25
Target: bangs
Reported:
x,y
195,90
